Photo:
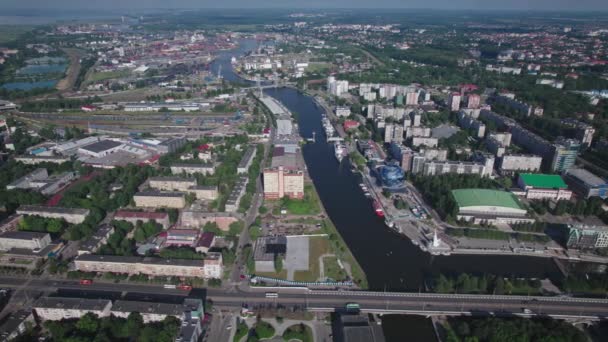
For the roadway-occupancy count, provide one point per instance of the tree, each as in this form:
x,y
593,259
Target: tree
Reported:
x,y
499,286
135,322
139,235
173,215
236,228
88,323
278,264
54,226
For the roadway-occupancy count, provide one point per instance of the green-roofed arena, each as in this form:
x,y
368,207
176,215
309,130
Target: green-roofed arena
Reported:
x,y
491,206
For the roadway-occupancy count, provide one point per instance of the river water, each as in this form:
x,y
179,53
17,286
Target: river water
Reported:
x,y
390,261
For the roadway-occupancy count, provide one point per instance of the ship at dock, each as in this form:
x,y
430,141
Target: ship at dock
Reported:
x,y
378,208
340,150
327,126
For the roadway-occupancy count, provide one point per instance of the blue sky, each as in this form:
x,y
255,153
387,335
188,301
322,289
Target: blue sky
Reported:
x,y
576,5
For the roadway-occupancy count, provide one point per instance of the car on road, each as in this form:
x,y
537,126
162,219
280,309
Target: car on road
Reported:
x,y
184,287
86,282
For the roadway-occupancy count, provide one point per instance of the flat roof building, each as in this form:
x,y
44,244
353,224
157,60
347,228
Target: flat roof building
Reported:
x,y
492,206
279,182
541,186
150,311
247,159
144,216
190,169
157,199
171,183
586,183
99,238
232,204
58,308
24,240
100,148
151,266
70,215
204,192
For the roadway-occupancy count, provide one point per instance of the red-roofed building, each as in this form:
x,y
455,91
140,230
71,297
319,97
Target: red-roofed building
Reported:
x,y
350,124
206,241
465,88
144,216
204,147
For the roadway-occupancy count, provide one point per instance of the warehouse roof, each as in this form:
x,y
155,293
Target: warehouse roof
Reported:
x,y
586,177
543,181
101,146
485,197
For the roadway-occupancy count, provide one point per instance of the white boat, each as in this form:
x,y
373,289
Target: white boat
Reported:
x,y
340,151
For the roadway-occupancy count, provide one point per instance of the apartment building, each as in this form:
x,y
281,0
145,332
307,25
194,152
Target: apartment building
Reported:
x,y
157,199
70,215
58,308
279,182
171,183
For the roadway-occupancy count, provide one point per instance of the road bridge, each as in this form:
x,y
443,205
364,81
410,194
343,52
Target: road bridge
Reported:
x,y
427,304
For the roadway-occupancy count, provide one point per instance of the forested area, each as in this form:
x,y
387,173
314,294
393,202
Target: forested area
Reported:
x,y
91,328
512,329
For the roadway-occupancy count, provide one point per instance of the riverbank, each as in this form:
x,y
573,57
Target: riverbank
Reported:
x,y
338,247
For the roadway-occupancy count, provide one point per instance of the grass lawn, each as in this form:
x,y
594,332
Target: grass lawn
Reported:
x,y
317,67
298,332
107,75
264,330
341,250
241,330
309,205
318,245
333,269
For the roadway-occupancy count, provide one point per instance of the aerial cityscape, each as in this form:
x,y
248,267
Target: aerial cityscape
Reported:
x,y
193,171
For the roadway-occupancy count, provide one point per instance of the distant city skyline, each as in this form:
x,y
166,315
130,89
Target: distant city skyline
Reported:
x,y
536,5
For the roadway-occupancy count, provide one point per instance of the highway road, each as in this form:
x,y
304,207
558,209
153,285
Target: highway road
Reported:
x,y
379,302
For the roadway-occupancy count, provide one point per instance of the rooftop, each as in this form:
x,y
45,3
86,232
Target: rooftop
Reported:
x,y
21,235
143,260
140,214
147,307
159,194
586,177
57,210
173,179
485,197
102,145
206,239
543,181
71,303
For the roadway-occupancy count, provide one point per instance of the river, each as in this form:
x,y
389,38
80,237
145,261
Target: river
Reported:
x,y
390,261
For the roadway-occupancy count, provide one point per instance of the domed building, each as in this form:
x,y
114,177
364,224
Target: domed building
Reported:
x,y
392,177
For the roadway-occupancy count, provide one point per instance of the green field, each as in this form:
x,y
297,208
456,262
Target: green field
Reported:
x,y
309,205
107,75
11,32
333,269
